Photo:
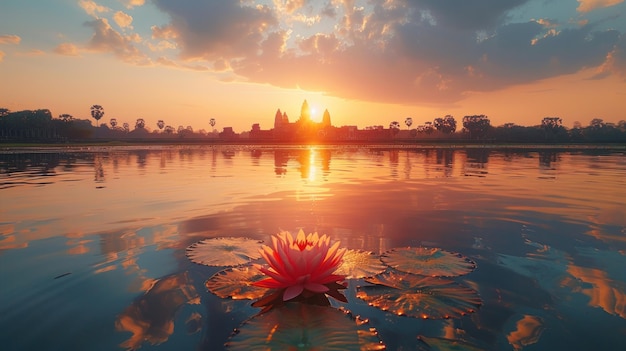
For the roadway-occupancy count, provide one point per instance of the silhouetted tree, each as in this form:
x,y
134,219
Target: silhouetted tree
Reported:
x,y
169,129
553,128
97,112
113,123
212,122
126,127
394,127
140,123
408,121
4,112
161,124
66,117
446,125
476,125
552,124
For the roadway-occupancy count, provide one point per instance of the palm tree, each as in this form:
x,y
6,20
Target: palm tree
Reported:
x,y
212,122
160,124
140,124
97,112
113,123
408,121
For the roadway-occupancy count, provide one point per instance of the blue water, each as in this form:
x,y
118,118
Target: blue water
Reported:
x,y
93,240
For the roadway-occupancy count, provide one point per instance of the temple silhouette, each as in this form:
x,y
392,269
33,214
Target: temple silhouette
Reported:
x,y
302,129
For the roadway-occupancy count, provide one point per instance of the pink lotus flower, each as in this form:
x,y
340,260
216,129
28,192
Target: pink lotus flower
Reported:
x,y
304,265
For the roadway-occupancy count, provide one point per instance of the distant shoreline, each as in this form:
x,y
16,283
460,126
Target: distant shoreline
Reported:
x,y
94,146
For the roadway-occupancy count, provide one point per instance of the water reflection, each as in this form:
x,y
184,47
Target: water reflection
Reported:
x,y
150,318
546,228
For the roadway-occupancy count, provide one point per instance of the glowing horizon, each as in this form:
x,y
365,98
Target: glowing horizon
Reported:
x,y
367,65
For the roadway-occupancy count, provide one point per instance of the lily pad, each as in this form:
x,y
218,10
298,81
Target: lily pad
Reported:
x,y
236,283
417,296
298,326
441,344
433,262
227,252
360,264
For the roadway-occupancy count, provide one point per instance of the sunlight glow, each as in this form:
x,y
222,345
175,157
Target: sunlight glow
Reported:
x,y
315,116
312,169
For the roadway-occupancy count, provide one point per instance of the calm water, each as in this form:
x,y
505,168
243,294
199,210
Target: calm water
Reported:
x,y
92,242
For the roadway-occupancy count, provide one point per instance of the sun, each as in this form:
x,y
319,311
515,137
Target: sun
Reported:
x,y
315,116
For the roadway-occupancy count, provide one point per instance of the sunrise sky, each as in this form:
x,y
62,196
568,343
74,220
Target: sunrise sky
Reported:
x,y
367,62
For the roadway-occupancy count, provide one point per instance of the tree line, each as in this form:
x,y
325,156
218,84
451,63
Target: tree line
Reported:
x,y
40,125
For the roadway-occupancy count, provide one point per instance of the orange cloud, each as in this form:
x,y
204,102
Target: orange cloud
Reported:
x,y
106,39
10,39
123,20
590,5
91,8
67,49
133,3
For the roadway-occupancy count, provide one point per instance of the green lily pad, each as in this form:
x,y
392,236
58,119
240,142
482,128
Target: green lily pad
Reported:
x,y
433,262
360,264
227,252
417,296
236,283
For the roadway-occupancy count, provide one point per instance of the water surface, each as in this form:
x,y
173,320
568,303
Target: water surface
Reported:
x,y
92,245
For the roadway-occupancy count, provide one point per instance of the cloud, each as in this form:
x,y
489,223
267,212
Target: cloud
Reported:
x,y
66,49
476,14
590,5
133,3
123,20
397,51
106,39
91,8
217,29
162,45
615,61
10,39
171,63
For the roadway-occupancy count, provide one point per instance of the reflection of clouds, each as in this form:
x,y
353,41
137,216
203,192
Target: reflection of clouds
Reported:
x,y
612,216
527,332
78,247
603,292
151,317
556,272
10,242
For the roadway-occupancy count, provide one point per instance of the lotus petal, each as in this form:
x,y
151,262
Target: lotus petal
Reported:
x,y
227,252
236,283
360,264
433,262
298,326
419,296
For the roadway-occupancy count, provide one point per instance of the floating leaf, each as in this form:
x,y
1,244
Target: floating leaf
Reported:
x,y
441,344
360,264
433,262
419,296
224,251
298,326
236,283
